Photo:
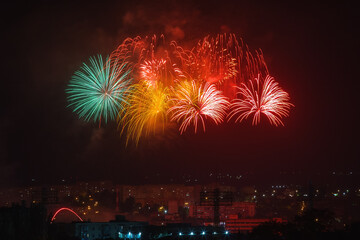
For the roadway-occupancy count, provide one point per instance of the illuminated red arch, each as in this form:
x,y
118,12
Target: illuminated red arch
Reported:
x,y
67,209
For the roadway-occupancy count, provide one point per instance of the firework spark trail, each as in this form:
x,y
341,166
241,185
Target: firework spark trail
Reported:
x,y
151,71
193,102
222,60
145,112
98,91
129,49
152,59
216,58
261,97
157,71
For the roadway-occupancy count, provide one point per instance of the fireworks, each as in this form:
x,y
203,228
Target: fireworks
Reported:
x,y
97,91
192,102
223,60
261,97
156,71
146,111
151,71
152,59
147,81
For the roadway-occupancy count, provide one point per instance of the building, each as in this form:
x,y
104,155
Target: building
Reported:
x,y
45,195
235,224
241,209
21,222
121,229
141,230
114,229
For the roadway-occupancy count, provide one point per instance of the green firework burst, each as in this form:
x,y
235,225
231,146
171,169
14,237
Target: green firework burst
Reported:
x,y
98,91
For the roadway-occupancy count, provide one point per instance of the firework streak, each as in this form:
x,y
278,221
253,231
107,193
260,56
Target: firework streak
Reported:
x,y
149,82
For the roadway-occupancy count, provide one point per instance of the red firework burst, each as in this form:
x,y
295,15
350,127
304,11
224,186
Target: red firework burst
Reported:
x,y
224,60
193,102
151,58
151,71
261,97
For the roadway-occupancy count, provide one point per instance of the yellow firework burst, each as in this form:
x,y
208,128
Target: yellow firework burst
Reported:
x,y
145,113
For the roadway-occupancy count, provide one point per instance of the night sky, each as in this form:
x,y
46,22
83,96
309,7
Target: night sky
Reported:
x,y
311,50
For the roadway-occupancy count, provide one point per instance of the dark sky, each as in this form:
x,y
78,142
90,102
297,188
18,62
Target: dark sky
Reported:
x,y
311,50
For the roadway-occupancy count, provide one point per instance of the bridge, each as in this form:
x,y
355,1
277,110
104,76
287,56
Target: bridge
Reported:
x,y
68,210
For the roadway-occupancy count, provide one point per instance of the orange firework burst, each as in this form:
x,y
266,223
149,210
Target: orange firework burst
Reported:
x,y
192,102
261,97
